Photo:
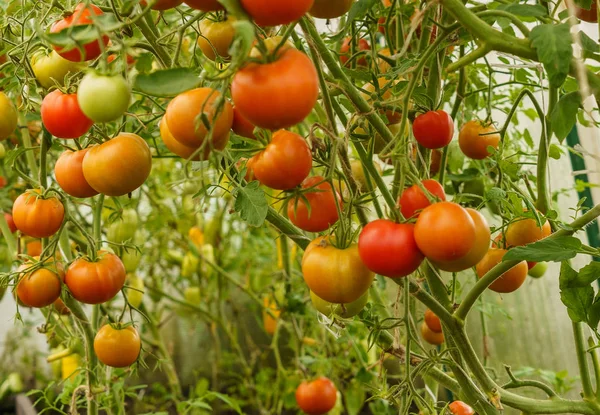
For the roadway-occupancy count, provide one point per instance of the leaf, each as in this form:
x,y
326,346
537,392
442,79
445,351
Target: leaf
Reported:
x,y
495,194
466,176
355,397
251,203
564,115
584,4
553,45
555,152
526,10
567,275
578,301
229,401
587,275
549,249
588,44
168,82
594,314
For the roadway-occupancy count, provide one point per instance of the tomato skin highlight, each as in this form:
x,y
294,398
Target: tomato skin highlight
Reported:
x,y
69,174
287,90
276,12
322,202
62,116
413,200
284,163
475,138
317,397
117,347
37,217
433,321
434,129
460,408
96,282
508,282
389,249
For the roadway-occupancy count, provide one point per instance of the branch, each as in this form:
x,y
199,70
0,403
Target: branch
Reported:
x,y
516,383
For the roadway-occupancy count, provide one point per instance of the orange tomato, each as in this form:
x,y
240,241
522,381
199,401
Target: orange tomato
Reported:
x,y
36,216
475,138
40,286
431,336
69,174
508,282
241,126
270,323
176,147
117,347
96,282
524,231
433,321
330,9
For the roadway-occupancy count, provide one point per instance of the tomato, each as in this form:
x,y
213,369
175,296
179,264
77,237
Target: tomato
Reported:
x,y
95,91
118,166
431,336
508,282
39,284
62,115
345,54
69,174
341,310
3,182
270,44
162,4
196,236
383,85
278,94
113,57
336,275
317,397
8,121
479,249
183,118
360,177
10,222
60,307
538,270
37,216
475,138
192,295
134,290
82,15
460,408
389,249
276,12
241,126
176,147
96,282
205,5
445,232
590,16
216,37
70,366
51,69
117,347
413,200
321,211
433,322
123,229
434,129
284,163
33,248
189,265
270,323
330,9
131,258
524,231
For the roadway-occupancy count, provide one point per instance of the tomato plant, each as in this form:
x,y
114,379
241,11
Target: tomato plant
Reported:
x,y
509,281
433,322
363,45
430,336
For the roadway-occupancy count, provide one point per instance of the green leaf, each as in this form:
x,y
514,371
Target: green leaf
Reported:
x,y
549,250
168,82
584,4
567,275
355,397
594,314
526,10
555,152
578,301
495,194
587,275
564,115
588,44
251,203
553,45
229,401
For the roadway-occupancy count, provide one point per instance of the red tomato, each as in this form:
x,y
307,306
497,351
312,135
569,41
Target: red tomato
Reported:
x,y
317,397
96,282
205,5
117,347
3,182
39,284
389,248
345,55
63,117
433,321
322,201
82,15
276,12
10,222
279,94
413,200
284,163
445,232
461,408
69,174
241,126
434,129
38,217
508,282
590,16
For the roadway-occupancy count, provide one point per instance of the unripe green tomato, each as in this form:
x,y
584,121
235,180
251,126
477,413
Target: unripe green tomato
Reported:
x,y
2,151
539,270
192,295
51,69
208,253
135,290
190,265
344,311
123,229
103,98
131,259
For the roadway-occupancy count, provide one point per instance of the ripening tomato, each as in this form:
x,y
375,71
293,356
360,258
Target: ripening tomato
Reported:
x,y
62,115
330,9
460,408
8,121
431,336
445,232
475,137
323,210
270,322
204,5
118,166
96,90
433,321
345,55
52,69
590,16
69,174
162,4
241,126
341,310
385,94
216,37
270,44
96,282
184,114
413,200
116,346
113,57
39,285
508,282
82,15
276,12
434,129
33,248
176,147
37,216
317,397
284,163
335,275
389,249
524,231
10,222
287,90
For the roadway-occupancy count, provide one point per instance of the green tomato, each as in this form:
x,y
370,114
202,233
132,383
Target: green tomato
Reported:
x,y
135,290
123,229
9,118
189,266
2,151
192,295
52,69
131,259
103,98
208,253
344,311
539,270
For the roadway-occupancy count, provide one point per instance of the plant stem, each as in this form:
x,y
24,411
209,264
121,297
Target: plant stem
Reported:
x,y
287,228
596,364
26,139
584,370
10,239
543,199
161,53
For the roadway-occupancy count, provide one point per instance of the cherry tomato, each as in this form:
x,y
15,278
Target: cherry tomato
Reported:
x,y
205,5
317,397
96,282
276,12
118,166
433,322
413,200
52,69
389,249
508,282
269,322
590,16
39,284
117,347
445,232
460,408
96,90
431,336
524,231
538,270
62,115
69,174
321,211
330,9
10,222
434,129
336,275
475,138
176,147
284,163
345,55
135,290
385,91
216,37
279,94
341,310
82,15
8,121
37,216
241,126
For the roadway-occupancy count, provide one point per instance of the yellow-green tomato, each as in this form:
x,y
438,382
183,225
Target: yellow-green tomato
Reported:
x,y
208,254
134,290
124,228
360,176
192,295
8,117
103,98
190,265
51,69
539,270
131,259
340,310
216,38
